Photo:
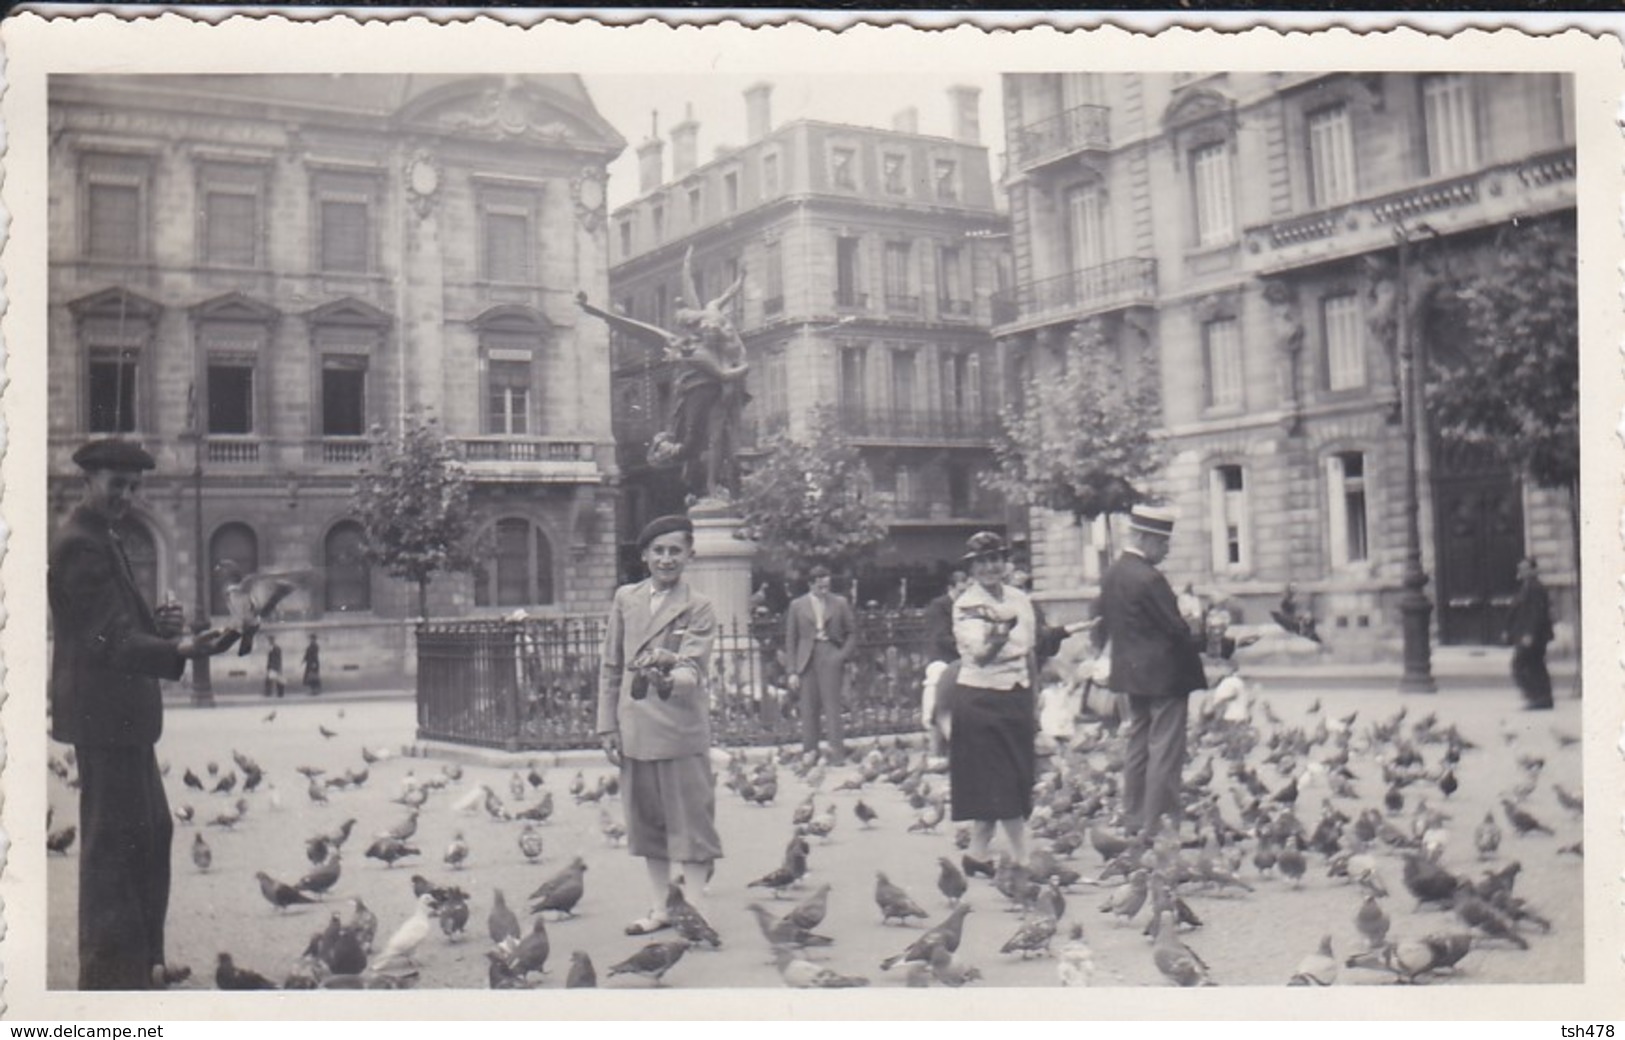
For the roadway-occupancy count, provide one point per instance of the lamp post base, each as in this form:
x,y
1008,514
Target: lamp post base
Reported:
x,y
1416,612
202,687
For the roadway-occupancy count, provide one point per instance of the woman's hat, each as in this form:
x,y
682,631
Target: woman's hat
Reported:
x,y
1151,520
669,524
982,545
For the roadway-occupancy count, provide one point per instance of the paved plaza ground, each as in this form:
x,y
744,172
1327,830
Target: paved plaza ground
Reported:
x,y
1255,938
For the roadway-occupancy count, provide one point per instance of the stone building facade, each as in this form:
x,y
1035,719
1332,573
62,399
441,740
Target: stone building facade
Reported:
x,y
871,259
286,262
1239,235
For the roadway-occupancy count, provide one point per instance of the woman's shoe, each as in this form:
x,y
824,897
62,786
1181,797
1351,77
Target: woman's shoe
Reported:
x,y
976,867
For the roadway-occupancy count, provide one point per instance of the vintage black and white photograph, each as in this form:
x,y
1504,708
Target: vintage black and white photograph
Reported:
x,y
1015,526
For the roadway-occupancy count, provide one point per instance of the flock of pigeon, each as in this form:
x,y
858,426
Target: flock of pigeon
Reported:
x,y
1359,820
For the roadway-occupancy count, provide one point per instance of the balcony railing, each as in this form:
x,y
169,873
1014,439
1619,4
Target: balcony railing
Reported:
x,y
1086,128
856,301
923,424
525,449
233,450
950,308
1119,283
338,450
902,304
922,507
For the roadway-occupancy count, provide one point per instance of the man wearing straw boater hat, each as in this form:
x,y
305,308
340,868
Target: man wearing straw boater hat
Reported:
x,y
1155,661
111,648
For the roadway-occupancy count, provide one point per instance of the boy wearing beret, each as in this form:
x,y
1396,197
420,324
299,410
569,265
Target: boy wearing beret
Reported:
x,y
654,716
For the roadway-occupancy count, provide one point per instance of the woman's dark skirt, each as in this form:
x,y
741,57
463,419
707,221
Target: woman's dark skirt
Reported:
x,y
991,763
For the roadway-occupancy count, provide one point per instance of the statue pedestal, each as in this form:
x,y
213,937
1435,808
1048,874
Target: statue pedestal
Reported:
x,y
721,566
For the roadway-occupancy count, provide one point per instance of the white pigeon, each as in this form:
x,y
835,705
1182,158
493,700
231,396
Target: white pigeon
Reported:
x,y
1075,962
274,794
399,952
470,801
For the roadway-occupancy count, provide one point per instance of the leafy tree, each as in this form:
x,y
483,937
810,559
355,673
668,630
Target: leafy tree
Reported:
x,y
413,505
1515,387
1083,441
811,500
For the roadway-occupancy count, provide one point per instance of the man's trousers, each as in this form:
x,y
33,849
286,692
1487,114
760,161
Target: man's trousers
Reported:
x,y
821,695
1155,760
125,834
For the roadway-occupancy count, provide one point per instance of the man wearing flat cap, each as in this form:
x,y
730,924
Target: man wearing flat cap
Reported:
x,y
654,717
1156,661
111,648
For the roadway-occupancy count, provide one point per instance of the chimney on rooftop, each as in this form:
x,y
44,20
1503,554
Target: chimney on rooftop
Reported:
x,y
651,158
965,110
906,121
685,145
758,111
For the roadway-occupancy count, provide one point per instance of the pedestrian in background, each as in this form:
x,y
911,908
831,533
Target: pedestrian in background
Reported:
x,y
313,666
942,672
273,670
654,717
111,648
819,630
1529,630
1155,660
992,763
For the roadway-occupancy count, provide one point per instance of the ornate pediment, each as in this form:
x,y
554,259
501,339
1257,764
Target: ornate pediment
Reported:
x,y
507,110
347,310
235,306
515,318
1197,105
117,303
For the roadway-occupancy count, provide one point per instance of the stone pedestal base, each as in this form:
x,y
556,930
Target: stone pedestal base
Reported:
x,y
721,566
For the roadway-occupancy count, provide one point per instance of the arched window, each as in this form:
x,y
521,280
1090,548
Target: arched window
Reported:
x,y
142,553
519,570
237,543
349,578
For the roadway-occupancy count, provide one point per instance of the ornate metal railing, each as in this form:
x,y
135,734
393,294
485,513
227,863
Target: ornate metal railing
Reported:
x,y
1117,283
1083,128
915,423
532,685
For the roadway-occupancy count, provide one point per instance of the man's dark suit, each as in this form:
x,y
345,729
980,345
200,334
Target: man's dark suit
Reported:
x,y
1529,628
939,628
1154,659
820,663
105,701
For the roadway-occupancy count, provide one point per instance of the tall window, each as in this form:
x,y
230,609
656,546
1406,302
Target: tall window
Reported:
x,y
626,237
894,173
1086,226
1231,525
843,167
231,394
660,305
235,542
519,571
770,175
1210,186
1331,156
112,384
951,296
344,222
1345,484
773,277
1343,329
1221,343
962,386
230,202
945,175
696,206
730,191
846,272
1450,125
115,199
349,579
657,215
506,242
344,395
898,277
854,378
508,391
905,380
775,386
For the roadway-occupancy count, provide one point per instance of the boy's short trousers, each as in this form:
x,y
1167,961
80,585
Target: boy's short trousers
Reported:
x,y
670,808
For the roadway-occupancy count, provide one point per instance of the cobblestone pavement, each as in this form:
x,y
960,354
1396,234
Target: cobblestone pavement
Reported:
x,y
1255,938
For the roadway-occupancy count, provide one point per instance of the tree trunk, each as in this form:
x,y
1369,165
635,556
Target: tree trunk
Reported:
x,y
1574,532
423,599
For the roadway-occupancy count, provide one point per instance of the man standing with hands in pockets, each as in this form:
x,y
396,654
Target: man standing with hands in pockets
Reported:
x,y
1156,661
818,633
111,648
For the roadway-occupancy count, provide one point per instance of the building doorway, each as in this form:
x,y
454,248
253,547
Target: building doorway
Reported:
x,y
1479,537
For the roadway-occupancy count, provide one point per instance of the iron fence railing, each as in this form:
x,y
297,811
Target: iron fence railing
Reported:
x,y
532,685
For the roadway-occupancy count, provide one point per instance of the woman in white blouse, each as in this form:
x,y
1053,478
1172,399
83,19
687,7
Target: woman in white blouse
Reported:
x,y
991,760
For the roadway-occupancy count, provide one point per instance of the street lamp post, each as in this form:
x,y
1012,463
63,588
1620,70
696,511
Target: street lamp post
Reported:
x,y
1416,610
202,685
